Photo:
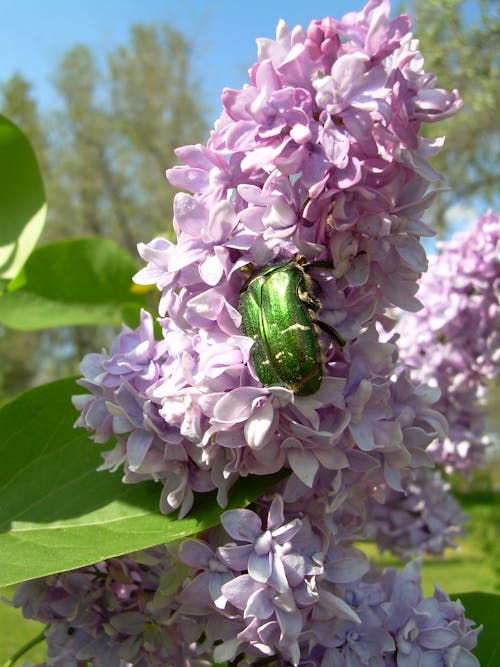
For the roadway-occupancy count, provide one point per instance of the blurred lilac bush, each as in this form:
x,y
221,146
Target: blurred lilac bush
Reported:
x,y
319,155
453,343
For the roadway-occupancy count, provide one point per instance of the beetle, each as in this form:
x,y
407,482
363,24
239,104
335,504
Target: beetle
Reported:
x,y
278,309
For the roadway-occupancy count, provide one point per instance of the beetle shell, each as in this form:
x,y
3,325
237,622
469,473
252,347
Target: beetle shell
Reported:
x,y
278,306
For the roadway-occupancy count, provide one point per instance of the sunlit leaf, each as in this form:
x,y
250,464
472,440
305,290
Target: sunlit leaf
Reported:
x,y
74,282
484,609
22,199
57,513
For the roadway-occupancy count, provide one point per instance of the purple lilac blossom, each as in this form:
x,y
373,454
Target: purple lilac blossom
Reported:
x,y
318,155
454,342
278,595
115,613
425,518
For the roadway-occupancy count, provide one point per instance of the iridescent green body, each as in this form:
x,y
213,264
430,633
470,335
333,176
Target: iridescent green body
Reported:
x,y
278,308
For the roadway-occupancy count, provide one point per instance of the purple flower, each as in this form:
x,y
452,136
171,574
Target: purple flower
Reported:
x,y
425,517
115,613
426,629
454,342
318,156
264,553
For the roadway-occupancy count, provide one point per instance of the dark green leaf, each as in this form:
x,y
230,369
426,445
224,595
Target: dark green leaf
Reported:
x,y
484,609
57,513
76,282
22,199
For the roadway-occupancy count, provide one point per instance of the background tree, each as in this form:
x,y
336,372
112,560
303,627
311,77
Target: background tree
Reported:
x,y
464,52
115,135
19,105
103,153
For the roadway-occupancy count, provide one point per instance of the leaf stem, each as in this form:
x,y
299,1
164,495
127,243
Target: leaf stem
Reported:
x,y
24,649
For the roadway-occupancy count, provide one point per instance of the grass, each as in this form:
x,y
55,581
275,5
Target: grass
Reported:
x,y
474,566
17,631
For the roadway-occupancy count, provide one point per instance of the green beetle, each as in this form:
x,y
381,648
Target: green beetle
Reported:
x,y
278,310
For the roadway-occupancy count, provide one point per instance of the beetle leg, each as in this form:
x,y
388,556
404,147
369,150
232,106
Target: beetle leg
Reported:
x,y
333,333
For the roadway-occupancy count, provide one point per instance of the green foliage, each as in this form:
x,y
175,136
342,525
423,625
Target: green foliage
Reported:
x,y
22,199
57,513
18,632
484,608
82,281
464,53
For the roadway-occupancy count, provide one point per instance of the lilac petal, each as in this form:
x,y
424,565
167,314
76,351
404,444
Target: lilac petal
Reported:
x,y
90,365
207,304
363,435
331,392
226,651
276,516
137,447
332,459
260,567
238,590
236,405
339,607
465,659
278,578
287,531
195,553
437,638
295,568
188,212
344,570
173,491
393,478
195,596
215,583
259,604
211,270
129,622
304,464
290,621
414,658
347,72
220,224
377,32
243,525
301,134
235,557
280,215
259,425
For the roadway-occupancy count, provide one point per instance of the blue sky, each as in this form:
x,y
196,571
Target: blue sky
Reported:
x,y
34,34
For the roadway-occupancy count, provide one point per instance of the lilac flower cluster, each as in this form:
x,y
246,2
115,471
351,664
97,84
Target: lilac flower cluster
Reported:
x,y
115,613
454,342
280,593
319,155
425,517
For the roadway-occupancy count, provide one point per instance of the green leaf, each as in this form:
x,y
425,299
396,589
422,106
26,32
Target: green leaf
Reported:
x,y
22,199
484,609
57,513
75,282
